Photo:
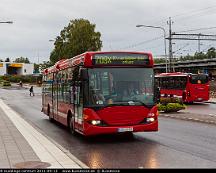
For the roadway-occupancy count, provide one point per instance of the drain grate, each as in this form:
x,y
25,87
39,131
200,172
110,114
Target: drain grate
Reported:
x,y
32,164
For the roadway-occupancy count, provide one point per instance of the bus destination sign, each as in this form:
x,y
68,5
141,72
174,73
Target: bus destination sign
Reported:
x,y
120,59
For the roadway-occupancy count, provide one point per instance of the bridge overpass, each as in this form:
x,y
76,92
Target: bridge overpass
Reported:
x,y
191,66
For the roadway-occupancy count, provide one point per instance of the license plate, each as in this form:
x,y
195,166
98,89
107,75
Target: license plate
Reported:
x,y
125,129
199,99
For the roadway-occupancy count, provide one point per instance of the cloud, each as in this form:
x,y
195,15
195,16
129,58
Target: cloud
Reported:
x,y
37,21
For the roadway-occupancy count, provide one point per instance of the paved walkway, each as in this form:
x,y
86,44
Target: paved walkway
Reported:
x,y
212,100
22,146
13,146
184,115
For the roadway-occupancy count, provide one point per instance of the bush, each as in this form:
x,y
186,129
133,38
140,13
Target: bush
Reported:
x,y
6,83
171,107
171,104
23,78
166,100
161,107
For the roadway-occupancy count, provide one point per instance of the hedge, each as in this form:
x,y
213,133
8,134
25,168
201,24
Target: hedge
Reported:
x,y
5,82
171,104
24,79
171,107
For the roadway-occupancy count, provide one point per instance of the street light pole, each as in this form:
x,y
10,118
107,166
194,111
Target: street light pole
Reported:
x,y
164,32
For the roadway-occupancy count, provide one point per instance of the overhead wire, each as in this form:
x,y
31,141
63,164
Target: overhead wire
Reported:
x,y
140,43
186,15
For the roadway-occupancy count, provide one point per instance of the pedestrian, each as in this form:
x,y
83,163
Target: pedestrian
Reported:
x,y
31,91
20,83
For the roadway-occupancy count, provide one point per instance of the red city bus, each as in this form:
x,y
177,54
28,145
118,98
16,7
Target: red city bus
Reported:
x,y
102,92
190,87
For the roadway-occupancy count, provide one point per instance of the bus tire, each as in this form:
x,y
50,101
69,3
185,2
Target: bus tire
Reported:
x,y
48,113
71,122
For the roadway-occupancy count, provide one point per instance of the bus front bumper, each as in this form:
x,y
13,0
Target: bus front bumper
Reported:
x,y
96,130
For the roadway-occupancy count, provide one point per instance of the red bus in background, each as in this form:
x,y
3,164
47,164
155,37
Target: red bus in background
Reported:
x,y
102,92
190,87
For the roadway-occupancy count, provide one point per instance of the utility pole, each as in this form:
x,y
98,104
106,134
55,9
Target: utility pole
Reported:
x,y
170,22
164,32
199,43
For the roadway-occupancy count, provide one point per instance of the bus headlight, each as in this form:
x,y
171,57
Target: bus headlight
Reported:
x,y
149,120
95,122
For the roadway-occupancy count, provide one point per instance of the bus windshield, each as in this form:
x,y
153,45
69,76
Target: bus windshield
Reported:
x,y
120,86
199,79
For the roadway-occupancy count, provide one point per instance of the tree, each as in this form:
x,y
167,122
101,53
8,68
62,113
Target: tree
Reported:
x,y
159,60
199,55
44,65
22,60
211,53
78,37
7,60
36,68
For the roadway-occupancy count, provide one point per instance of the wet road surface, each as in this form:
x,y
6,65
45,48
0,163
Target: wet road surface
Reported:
x,y
201,108
178,144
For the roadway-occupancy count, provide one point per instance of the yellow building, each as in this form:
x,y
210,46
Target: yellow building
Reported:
x,y
11,68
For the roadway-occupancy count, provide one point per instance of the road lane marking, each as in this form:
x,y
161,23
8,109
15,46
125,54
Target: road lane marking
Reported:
x,y
43,147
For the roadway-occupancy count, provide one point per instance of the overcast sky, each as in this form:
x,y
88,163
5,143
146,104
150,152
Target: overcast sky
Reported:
x,y
38,21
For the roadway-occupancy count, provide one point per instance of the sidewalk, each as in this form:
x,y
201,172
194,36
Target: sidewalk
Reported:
x,y
185,115
212,100
13,146
22,146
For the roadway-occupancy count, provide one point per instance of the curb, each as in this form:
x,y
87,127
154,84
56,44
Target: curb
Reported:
x,y
181,117
212,102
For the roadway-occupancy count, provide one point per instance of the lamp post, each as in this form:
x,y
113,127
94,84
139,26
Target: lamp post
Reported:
x,y
164,32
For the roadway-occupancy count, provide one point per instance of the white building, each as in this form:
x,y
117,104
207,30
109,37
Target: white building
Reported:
x,y
12,68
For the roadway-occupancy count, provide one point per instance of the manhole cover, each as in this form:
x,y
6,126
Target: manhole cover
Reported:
x,y
32,164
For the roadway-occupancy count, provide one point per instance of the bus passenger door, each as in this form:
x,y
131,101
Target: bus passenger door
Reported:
x,y
55,101
78,105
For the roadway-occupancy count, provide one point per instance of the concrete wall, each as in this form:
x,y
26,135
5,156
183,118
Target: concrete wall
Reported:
x,y
27,69
2,68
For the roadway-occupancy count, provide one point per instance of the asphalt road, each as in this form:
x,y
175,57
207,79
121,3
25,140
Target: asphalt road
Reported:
x,y
178,144
201,108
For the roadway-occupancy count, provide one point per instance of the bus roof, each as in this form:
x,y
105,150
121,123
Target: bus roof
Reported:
x,y
174,74
90,59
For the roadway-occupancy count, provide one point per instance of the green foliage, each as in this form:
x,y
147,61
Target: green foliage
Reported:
x,y
36,68
7,60
159,60
24,79
166,100
171,107
22,60
45,65
171,104
161,107
6,83
78,37
211,53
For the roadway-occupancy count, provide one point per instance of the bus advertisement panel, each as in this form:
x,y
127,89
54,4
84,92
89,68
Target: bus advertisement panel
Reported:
x,y
102,92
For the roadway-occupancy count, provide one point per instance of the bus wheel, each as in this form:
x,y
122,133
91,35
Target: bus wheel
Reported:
x,y
71,125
